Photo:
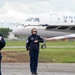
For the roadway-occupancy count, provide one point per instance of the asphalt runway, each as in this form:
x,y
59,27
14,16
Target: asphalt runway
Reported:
x,y
43,69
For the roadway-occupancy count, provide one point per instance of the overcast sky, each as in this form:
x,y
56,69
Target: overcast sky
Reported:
x,y
17,9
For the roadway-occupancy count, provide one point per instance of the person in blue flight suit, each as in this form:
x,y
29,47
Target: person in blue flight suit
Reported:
x,y
2,44
32,47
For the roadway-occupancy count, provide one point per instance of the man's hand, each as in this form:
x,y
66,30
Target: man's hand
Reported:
x,y
28,51
36,41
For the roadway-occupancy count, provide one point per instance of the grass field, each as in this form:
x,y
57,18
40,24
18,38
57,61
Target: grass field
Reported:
x,y
56,52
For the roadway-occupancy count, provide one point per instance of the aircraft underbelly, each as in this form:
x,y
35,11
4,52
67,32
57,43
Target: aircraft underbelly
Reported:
x,y
43,33
51,33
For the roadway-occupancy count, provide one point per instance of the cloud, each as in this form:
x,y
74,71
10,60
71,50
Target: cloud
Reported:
x,y
62,5
17,9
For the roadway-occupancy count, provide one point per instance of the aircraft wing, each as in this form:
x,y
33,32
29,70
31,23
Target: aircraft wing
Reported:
x,y
61,37
61,28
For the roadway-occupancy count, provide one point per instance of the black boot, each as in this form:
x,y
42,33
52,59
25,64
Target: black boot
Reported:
x,y
34,73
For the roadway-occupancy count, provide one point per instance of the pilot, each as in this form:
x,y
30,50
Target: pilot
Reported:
x,y
2,44
32,47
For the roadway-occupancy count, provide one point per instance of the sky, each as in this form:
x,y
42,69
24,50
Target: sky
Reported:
x,y
18,10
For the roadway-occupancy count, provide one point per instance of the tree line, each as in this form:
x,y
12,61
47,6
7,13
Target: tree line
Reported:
x,y
5,32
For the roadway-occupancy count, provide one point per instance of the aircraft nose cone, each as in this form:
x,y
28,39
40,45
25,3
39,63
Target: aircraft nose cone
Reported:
x,y
15,31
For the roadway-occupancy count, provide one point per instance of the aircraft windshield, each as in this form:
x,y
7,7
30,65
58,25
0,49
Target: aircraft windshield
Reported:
x,y
33,19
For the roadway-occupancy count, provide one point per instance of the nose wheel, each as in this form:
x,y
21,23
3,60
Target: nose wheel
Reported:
x,y
43,46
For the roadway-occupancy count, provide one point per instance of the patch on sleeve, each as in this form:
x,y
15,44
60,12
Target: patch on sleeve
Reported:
x,y
27,41
0,38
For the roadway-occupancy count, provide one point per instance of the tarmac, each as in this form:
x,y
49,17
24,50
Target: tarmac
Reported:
x,y
43,69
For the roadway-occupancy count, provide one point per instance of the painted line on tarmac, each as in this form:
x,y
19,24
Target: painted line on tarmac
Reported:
x,y
60,46
47,47
15,47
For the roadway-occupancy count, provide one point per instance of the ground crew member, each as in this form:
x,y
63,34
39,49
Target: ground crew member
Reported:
x,y
32,47
2,44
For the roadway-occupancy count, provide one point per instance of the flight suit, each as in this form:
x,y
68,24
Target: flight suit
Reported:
x,y
33,50
2,44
